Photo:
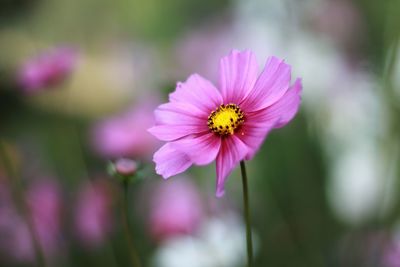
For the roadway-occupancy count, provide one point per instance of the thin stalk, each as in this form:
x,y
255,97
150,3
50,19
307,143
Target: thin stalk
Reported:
x,y
247,218
21,204
134,255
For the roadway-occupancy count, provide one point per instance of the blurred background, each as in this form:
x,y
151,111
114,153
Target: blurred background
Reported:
x,y
78,84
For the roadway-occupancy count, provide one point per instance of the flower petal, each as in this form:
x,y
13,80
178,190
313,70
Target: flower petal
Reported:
x,y
173,132
272,84
258,124
198,92
287,106
237,75
201,150
232,151
176,120
254,132
170,161
179,113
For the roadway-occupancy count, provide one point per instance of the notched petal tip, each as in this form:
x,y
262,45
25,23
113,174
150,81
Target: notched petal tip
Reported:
x,y
279,63
298,85
297,89
287,107
275,59
220,192
198,92
270,86
238,54
179,84
160,172
235,51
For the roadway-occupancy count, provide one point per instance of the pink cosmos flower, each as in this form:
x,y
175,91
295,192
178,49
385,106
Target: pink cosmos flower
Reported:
x,y
47,69
201,123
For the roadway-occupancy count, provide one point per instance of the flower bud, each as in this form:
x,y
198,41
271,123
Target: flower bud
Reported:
x,y
125,166
124,169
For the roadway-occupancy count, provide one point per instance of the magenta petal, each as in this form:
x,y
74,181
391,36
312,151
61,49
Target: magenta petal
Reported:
x,y
272,84
173,132
201,150
260,123
232,151
288,105
179,113
237,75
254,132
199,92
176,120
284,110
170,161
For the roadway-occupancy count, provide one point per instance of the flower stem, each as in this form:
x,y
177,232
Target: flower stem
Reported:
x,y
247,218
134,255
21,204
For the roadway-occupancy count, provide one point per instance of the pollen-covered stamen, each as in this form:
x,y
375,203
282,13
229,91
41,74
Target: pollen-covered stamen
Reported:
x,y
225,119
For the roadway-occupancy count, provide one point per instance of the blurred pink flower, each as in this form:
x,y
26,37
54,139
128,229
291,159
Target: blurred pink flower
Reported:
x,y
6,206
93,213
200,48
340,20
47,69
125,135
202,123
175,209
11,225
45,206
391,256
45,203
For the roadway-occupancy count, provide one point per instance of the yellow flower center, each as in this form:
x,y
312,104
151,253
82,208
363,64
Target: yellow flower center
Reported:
x,y
225,119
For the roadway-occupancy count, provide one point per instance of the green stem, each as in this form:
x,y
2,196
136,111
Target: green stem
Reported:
x,y
134,255
21,204
246,205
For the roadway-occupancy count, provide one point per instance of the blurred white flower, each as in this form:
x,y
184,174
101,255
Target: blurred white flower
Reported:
x,y
182,252
356,185
353,125
219,243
